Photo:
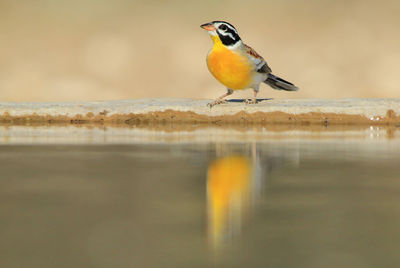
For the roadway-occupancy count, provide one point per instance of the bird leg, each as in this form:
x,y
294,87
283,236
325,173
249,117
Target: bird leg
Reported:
x,y
220,99
254,99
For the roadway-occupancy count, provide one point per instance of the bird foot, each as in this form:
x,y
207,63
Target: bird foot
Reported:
x,y
216,102
250,101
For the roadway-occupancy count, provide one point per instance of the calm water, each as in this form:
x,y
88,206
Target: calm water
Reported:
x,y
283,203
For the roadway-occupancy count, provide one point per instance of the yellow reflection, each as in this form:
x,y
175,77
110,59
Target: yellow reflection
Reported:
x,y
229,184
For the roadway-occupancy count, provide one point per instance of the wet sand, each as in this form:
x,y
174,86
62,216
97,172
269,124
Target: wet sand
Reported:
x,y
95,134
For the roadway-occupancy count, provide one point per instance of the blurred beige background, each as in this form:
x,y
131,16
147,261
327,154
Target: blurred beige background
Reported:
x,y
104,50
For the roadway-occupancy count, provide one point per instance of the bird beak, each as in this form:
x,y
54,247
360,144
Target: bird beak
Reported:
x,y
208,26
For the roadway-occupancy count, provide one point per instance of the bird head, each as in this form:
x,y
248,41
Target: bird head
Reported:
x,y
221,31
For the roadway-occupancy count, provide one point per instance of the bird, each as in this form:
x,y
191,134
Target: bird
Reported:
x,y
236,65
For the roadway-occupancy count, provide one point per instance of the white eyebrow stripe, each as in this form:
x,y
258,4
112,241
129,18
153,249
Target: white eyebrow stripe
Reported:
x,y
230,27
227,34
227,25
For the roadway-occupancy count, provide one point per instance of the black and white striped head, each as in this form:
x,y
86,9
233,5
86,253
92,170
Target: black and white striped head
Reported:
x,y
224,31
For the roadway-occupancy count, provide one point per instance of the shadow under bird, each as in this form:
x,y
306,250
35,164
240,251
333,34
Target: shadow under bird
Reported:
x,y
236,65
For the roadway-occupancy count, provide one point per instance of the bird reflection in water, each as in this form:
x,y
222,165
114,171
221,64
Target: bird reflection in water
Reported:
x,y
232,184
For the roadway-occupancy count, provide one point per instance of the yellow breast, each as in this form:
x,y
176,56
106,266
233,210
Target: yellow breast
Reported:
x,y
232,69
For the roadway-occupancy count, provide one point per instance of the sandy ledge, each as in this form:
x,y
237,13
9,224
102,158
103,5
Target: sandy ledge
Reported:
x,y
274,111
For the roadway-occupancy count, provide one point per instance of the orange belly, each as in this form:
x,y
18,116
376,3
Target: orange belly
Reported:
x,y
229,68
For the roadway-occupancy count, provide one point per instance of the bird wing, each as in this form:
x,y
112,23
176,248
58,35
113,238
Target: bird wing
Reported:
x,y
260,63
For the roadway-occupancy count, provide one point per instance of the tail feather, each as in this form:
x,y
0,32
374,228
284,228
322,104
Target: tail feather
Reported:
x,y
280,84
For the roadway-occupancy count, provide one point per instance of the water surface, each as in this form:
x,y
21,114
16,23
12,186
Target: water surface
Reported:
x,y
272,202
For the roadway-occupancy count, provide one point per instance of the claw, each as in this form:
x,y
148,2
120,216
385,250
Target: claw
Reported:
x,y
250,101
211,104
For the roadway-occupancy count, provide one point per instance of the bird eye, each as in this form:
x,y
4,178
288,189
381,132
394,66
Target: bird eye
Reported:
x,y
223,27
